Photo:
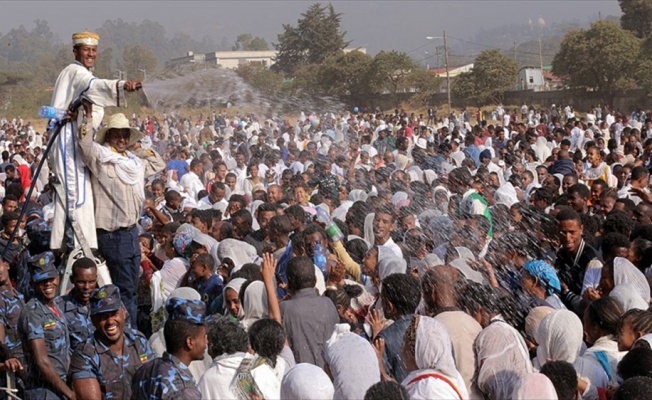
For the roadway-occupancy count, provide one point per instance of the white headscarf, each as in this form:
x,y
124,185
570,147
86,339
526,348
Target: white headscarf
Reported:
x,y
535,386
352,362
506,194
534,318
542,150
357,195
234,284
559,336
254,303
306,382
398,197
389,263
239,252
369,228
627,296
502,359
434,354
626,272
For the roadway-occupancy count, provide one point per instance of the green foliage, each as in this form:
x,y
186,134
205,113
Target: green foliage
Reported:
x,y
602,58
248,42
493,73
345,74
260,78
637,17
135,59
425,83
316,37
389,71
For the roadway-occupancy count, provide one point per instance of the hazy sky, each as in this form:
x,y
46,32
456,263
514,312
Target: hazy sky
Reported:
x,y
400,25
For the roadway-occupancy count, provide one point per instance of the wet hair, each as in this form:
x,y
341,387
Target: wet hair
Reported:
x,y
301,273
250,272
240,199
176,332
544,194
206,260
267,338
9,197
605,313
579,189
280,224
171,195
563,377
611,241
403,292
569,215
357,248
628,203
640,320
343,295
245,215
637,362
637,388
387,209
316,228
476,296
225,336
639,172
386,390
297,212
619,222
204,216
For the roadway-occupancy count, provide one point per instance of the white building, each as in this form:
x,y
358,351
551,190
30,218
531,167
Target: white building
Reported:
x,y
232,59
530,78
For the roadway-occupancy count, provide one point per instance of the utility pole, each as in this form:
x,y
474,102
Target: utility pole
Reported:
x,y
448,77
515,51
540,55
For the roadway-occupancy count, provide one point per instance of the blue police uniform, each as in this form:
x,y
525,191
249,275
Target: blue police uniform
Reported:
x,y
78,318
167,377
94,359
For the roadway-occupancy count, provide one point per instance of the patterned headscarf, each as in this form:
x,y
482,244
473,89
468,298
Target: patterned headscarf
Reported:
x,y
544,273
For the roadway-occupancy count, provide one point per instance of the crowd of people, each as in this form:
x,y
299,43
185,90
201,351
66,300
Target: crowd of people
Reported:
x,y
349,255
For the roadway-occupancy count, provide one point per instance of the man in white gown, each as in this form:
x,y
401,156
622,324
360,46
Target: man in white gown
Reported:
x,y
76,81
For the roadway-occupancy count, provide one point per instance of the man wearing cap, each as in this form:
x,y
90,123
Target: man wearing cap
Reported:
x,y
44,333
75,82
75,303
119,167
168,377
104,365
11,304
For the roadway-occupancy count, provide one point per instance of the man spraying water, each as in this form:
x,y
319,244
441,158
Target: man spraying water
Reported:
x,y
74,200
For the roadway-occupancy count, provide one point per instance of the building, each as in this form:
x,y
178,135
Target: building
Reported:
x,y
531,78
453,72
232,59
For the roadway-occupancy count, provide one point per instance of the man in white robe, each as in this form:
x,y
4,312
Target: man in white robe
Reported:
x,y
74,82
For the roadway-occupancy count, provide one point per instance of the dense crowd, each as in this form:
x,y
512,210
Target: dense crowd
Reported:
x,y
347,256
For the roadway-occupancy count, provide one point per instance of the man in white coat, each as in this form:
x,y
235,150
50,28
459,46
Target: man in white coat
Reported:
x,y
76,81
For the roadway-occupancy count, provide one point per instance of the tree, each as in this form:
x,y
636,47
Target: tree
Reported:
x,y
389,71
260,78
425,84
637,17
493,73
248,42
136,59
345,74
608,70
316,37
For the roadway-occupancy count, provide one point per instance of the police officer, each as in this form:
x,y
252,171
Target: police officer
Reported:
x,y
44,333
75,304
11,304
168,377
103,366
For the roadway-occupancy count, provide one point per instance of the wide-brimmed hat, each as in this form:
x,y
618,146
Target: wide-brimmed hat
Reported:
x,y
119,121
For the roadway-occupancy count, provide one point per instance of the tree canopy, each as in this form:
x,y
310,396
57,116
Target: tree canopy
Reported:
x,y
637,17
602,58
493,73
316,37
248,42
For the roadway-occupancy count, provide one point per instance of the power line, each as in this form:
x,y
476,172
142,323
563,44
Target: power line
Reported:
x,y
493,47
